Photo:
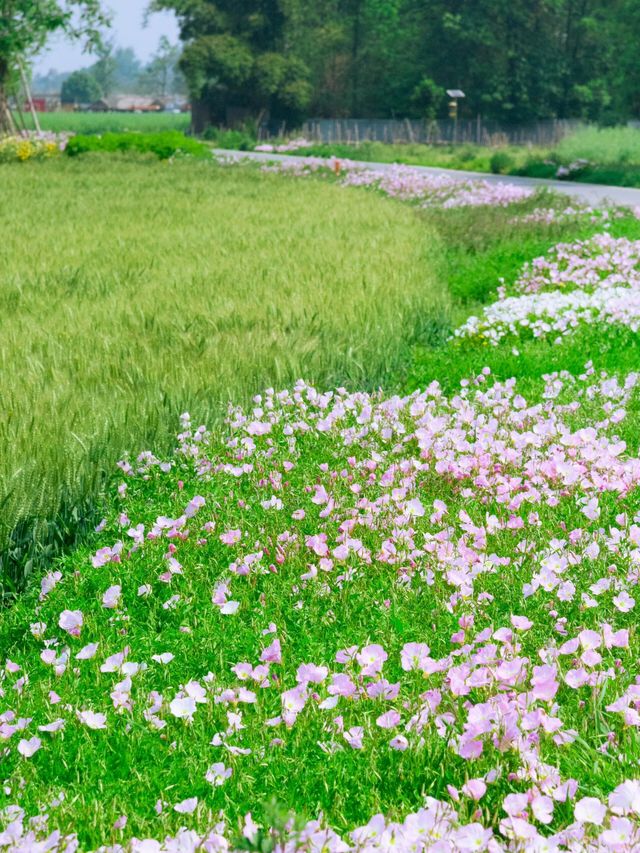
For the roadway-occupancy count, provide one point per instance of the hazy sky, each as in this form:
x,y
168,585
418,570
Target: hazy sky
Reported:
x,y
126,30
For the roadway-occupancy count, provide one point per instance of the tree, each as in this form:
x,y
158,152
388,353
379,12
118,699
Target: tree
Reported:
x,y
126,69
25,26
238,61
80,87
104,68
162,75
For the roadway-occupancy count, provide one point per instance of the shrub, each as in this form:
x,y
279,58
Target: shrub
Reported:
x,y
236,140
501,163
21,148
164,145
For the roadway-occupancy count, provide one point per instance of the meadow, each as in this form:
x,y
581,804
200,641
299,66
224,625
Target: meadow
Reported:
x,y
342,618
133,289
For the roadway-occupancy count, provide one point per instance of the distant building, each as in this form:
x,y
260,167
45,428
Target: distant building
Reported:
x,y
44,103
138,104
127,104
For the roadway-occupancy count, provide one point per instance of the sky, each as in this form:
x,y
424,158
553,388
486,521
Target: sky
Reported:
x,y
127,31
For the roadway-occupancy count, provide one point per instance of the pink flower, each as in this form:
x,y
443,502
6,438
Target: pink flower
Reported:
x,y
310,673
590,810
230,537
111,597
273,653
475,788
218,774
92,720
544,685
399,742
521,623
55,726
413,656
71,622
371,659
354,737
542,808
625,798
186,806
624,602
389,720
27,748
87,652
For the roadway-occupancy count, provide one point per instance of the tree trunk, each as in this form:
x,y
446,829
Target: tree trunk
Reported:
x,y
6,119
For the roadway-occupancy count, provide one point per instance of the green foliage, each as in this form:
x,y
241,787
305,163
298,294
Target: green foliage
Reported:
x,y
428,97
80,87
501,163
516,61
238,57
173,286
164,145
68,122
162,74
233,140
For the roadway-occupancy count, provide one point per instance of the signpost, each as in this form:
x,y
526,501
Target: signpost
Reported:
x,y
454,94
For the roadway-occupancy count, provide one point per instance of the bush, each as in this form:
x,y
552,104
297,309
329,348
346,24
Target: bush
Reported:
x,y
164,145
21,148
235,140
501,163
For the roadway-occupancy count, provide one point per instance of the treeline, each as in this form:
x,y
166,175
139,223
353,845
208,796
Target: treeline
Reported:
x,y
117,69
516,60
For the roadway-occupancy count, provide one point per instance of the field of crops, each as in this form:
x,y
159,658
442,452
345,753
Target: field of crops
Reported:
x,y
340,618
72,122
132,290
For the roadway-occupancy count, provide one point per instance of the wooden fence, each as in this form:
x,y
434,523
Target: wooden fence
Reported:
x,y
436,132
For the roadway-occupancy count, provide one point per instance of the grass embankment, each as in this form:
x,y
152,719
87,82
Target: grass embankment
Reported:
x,y
132,290
72,122
611,156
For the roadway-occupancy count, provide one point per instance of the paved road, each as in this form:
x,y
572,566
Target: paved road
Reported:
x,y
588,193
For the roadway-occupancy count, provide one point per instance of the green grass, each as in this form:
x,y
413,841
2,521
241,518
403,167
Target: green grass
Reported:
x,y
605,146
133,289
169,287
71,122
613,155
473,158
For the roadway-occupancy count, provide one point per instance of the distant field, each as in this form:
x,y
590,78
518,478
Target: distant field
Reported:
x,y
111,122
134,289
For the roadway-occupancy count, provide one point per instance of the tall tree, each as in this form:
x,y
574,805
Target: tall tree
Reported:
x,y
162,75
237,60
25,26
80,87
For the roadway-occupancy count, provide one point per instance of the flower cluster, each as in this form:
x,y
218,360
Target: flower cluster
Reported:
x,y
410,184
587,282
31,146
408,585
572,213
284,147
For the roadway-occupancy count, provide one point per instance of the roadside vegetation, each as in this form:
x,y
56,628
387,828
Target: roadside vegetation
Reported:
x,y
592,155
340,618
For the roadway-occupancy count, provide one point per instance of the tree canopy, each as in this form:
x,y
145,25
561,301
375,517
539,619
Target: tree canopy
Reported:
x,y
80,87
25,26
516,60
